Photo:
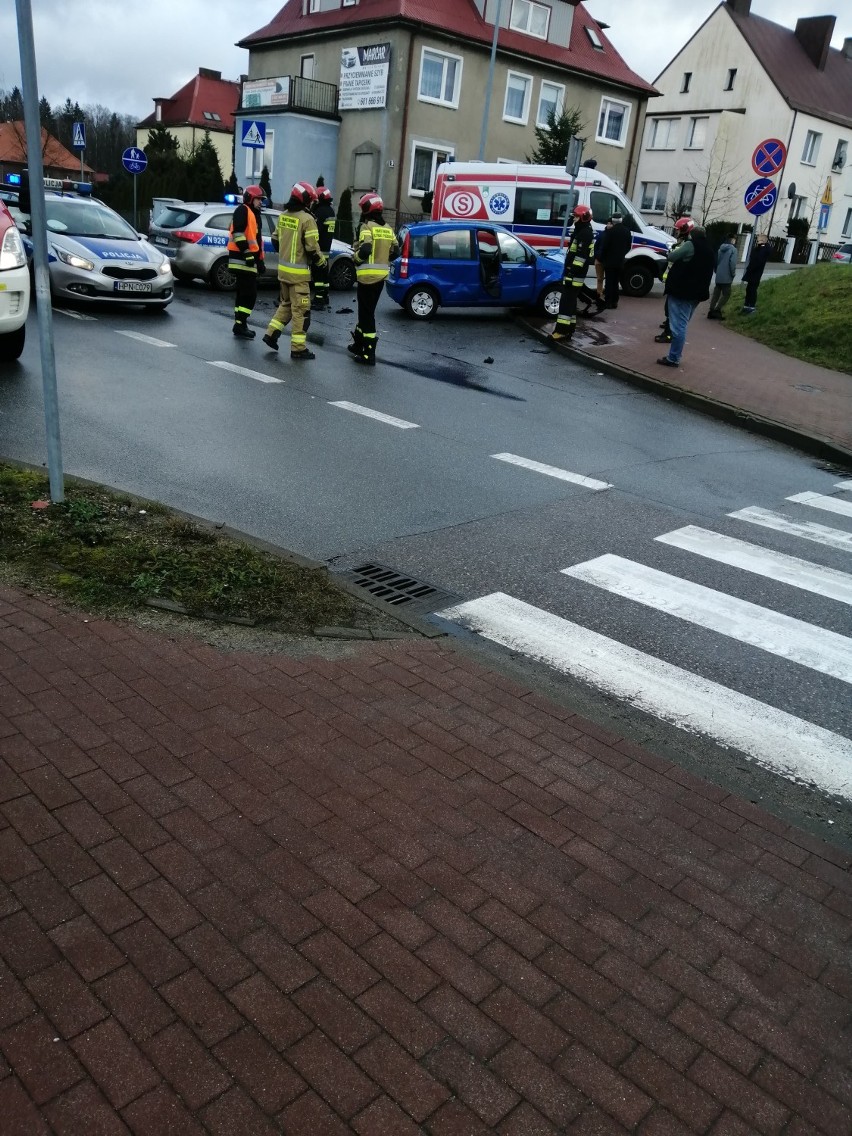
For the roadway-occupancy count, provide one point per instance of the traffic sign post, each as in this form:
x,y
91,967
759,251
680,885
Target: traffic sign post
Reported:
x,y
760,196
78,142
253,137
769,157
824,217
135,162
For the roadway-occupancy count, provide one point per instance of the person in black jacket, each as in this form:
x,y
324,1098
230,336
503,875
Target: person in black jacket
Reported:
x,y
577,257
754,270
691,266
615,245
325,215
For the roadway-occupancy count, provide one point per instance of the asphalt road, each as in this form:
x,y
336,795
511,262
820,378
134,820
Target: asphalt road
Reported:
x,y
171,407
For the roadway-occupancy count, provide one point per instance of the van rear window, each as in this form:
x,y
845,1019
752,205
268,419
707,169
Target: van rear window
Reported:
x,y
542,206
174,218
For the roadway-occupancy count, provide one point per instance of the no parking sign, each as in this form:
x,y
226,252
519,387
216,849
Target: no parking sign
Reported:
x,y
769,157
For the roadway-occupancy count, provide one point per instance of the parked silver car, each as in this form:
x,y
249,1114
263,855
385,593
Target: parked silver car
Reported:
x,y
194,236
843,255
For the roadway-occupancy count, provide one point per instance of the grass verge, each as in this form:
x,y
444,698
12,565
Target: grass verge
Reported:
x,y
111,553
804,314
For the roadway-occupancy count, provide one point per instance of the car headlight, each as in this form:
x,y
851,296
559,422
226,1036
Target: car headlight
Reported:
x,y
73,260
12,253
165,268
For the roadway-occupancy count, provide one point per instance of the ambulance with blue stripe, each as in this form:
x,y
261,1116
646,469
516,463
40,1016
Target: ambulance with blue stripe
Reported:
x,y
531,201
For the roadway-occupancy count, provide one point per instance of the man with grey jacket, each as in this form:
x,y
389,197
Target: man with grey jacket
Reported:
x,y
726,269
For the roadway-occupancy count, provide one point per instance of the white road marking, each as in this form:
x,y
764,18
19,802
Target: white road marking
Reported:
x,y
75,315
388,419
771,631
146,338
804,574
808,530
820,501
259,375
843,484
553,471
780,742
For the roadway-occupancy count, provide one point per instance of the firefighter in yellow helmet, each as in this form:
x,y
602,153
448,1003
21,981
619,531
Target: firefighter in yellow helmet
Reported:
x,y
245,258
297,240
374,248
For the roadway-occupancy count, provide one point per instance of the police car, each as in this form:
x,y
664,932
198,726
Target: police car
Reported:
x,y
194,236
93,253
14,288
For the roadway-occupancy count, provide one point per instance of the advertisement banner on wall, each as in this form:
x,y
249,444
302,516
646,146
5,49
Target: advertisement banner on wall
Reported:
x,y
266,92
364,77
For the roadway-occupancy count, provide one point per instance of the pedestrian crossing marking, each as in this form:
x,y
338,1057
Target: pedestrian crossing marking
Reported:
x,y
772,631
146,338
821,501
388,419
803,574
553,471
808,530
258,375
777,741
75,315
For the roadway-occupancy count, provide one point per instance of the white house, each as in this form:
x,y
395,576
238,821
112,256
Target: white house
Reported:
x,y
741,80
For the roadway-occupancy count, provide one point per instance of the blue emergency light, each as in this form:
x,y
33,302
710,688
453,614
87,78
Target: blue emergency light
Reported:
x,y
232,198
13,179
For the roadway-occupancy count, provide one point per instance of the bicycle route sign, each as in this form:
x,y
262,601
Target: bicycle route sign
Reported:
x,y
760,196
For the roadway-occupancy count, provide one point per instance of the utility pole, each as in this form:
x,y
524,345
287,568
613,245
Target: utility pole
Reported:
x,y
490,84
572,167
38,234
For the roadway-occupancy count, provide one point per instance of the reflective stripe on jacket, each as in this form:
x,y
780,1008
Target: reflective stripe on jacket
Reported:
x,y
579,251
373,250
243,241
298,243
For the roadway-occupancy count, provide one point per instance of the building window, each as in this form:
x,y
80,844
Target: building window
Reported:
x,y
811,150
307,66
440,78
696,135
687,79
349,3
654,195
551,100
594,39
516,106
663,133
685,196
314,6
732,74
425,160
839,159
797,208
847,224
529,17
612,122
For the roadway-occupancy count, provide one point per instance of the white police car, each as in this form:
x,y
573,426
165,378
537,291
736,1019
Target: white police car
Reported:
x,y
194,236
94,254
14,288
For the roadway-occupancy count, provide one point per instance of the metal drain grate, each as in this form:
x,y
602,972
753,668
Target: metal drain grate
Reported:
x,y
392,587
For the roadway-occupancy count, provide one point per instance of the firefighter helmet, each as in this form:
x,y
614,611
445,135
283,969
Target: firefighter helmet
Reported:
x,y
684,225
324,193
304,193
252,193
582,213
370,203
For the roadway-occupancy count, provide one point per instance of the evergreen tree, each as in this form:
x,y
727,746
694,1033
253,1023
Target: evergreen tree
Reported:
x,y
203,175
343,227
320,182
552,140
264,183
45,114
13,110
232,185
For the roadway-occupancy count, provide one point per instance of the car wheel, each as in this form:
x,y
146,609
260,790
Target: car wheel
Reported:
x,y
637,280
12,344
422,302
342,274
550,299
221,278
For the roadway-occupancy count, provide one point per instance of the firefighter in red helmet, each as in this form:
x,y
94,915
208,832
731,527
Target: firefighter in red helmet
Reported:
x,y
245,257
374,248
577,259
297,240
326,219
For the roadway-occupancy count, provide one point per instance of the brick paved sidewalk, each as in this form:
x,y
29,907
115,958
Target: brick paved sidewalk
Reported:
x,y
725,369
396,893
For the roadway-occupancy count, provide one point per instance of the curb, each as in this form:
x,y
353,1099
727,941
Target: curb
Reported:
x,y
724,411
413,623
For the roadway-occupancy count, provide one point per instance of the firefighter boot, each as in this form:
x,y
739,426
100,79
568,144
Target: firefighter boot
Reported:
x,y
271,340
243,331
357,345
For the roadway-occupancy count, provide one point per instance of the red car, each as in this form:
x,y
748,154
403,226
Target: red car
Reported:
x,y
14,288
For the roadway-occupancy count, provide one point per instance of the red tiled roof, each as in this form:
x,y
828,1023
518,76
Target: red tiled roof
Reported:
x,y
460,18
827,94
187,106
54,155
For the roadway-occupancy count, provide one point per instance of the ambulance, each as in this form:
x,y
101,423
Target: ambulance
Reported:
x,y
531,201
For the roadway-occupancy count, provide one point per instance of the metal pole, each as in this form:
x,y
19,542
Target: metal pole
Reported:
x,y
38,224
571,191
135,226
490,84
82,175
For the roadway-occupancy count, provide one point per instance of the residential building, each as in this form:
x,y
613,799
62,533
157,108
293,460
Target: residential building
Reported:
x,y
58,162
739,81
375,94
206,102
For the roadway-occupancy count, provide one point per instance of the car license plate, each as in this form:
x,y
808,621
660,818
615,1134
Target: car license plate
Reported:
x,y
130,286
161,240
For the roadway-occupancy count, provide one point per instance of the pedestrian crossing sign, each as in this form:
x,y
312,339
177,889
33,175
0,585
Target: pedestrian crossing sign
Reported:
x,y
78,135
254,134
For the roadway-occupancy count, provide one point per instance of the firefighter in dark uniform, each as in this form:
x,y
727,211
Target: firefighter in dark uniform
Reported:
x,y
245,258
374,248
577,260
325,216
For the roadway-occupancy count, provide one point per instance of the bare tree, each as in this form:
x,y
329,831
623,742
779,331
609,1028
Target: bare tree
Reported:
x,y
716,183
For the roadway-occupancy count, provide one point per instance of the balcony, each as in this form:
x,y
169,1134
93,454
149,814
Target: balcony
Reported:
x,y
289,92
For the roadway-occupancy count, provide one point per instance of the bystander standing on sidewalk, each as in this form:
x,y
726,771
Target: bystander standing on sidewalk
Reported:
x,y
726,270
614,247
687,284
754,271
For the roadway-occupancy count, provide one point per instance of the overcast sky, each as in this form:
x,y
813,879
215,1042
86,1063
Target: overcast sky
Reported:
x,y
123,53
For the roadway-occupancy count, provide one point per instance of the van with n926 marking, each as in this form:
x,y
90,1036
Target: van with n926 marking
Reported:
x,y
531,201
